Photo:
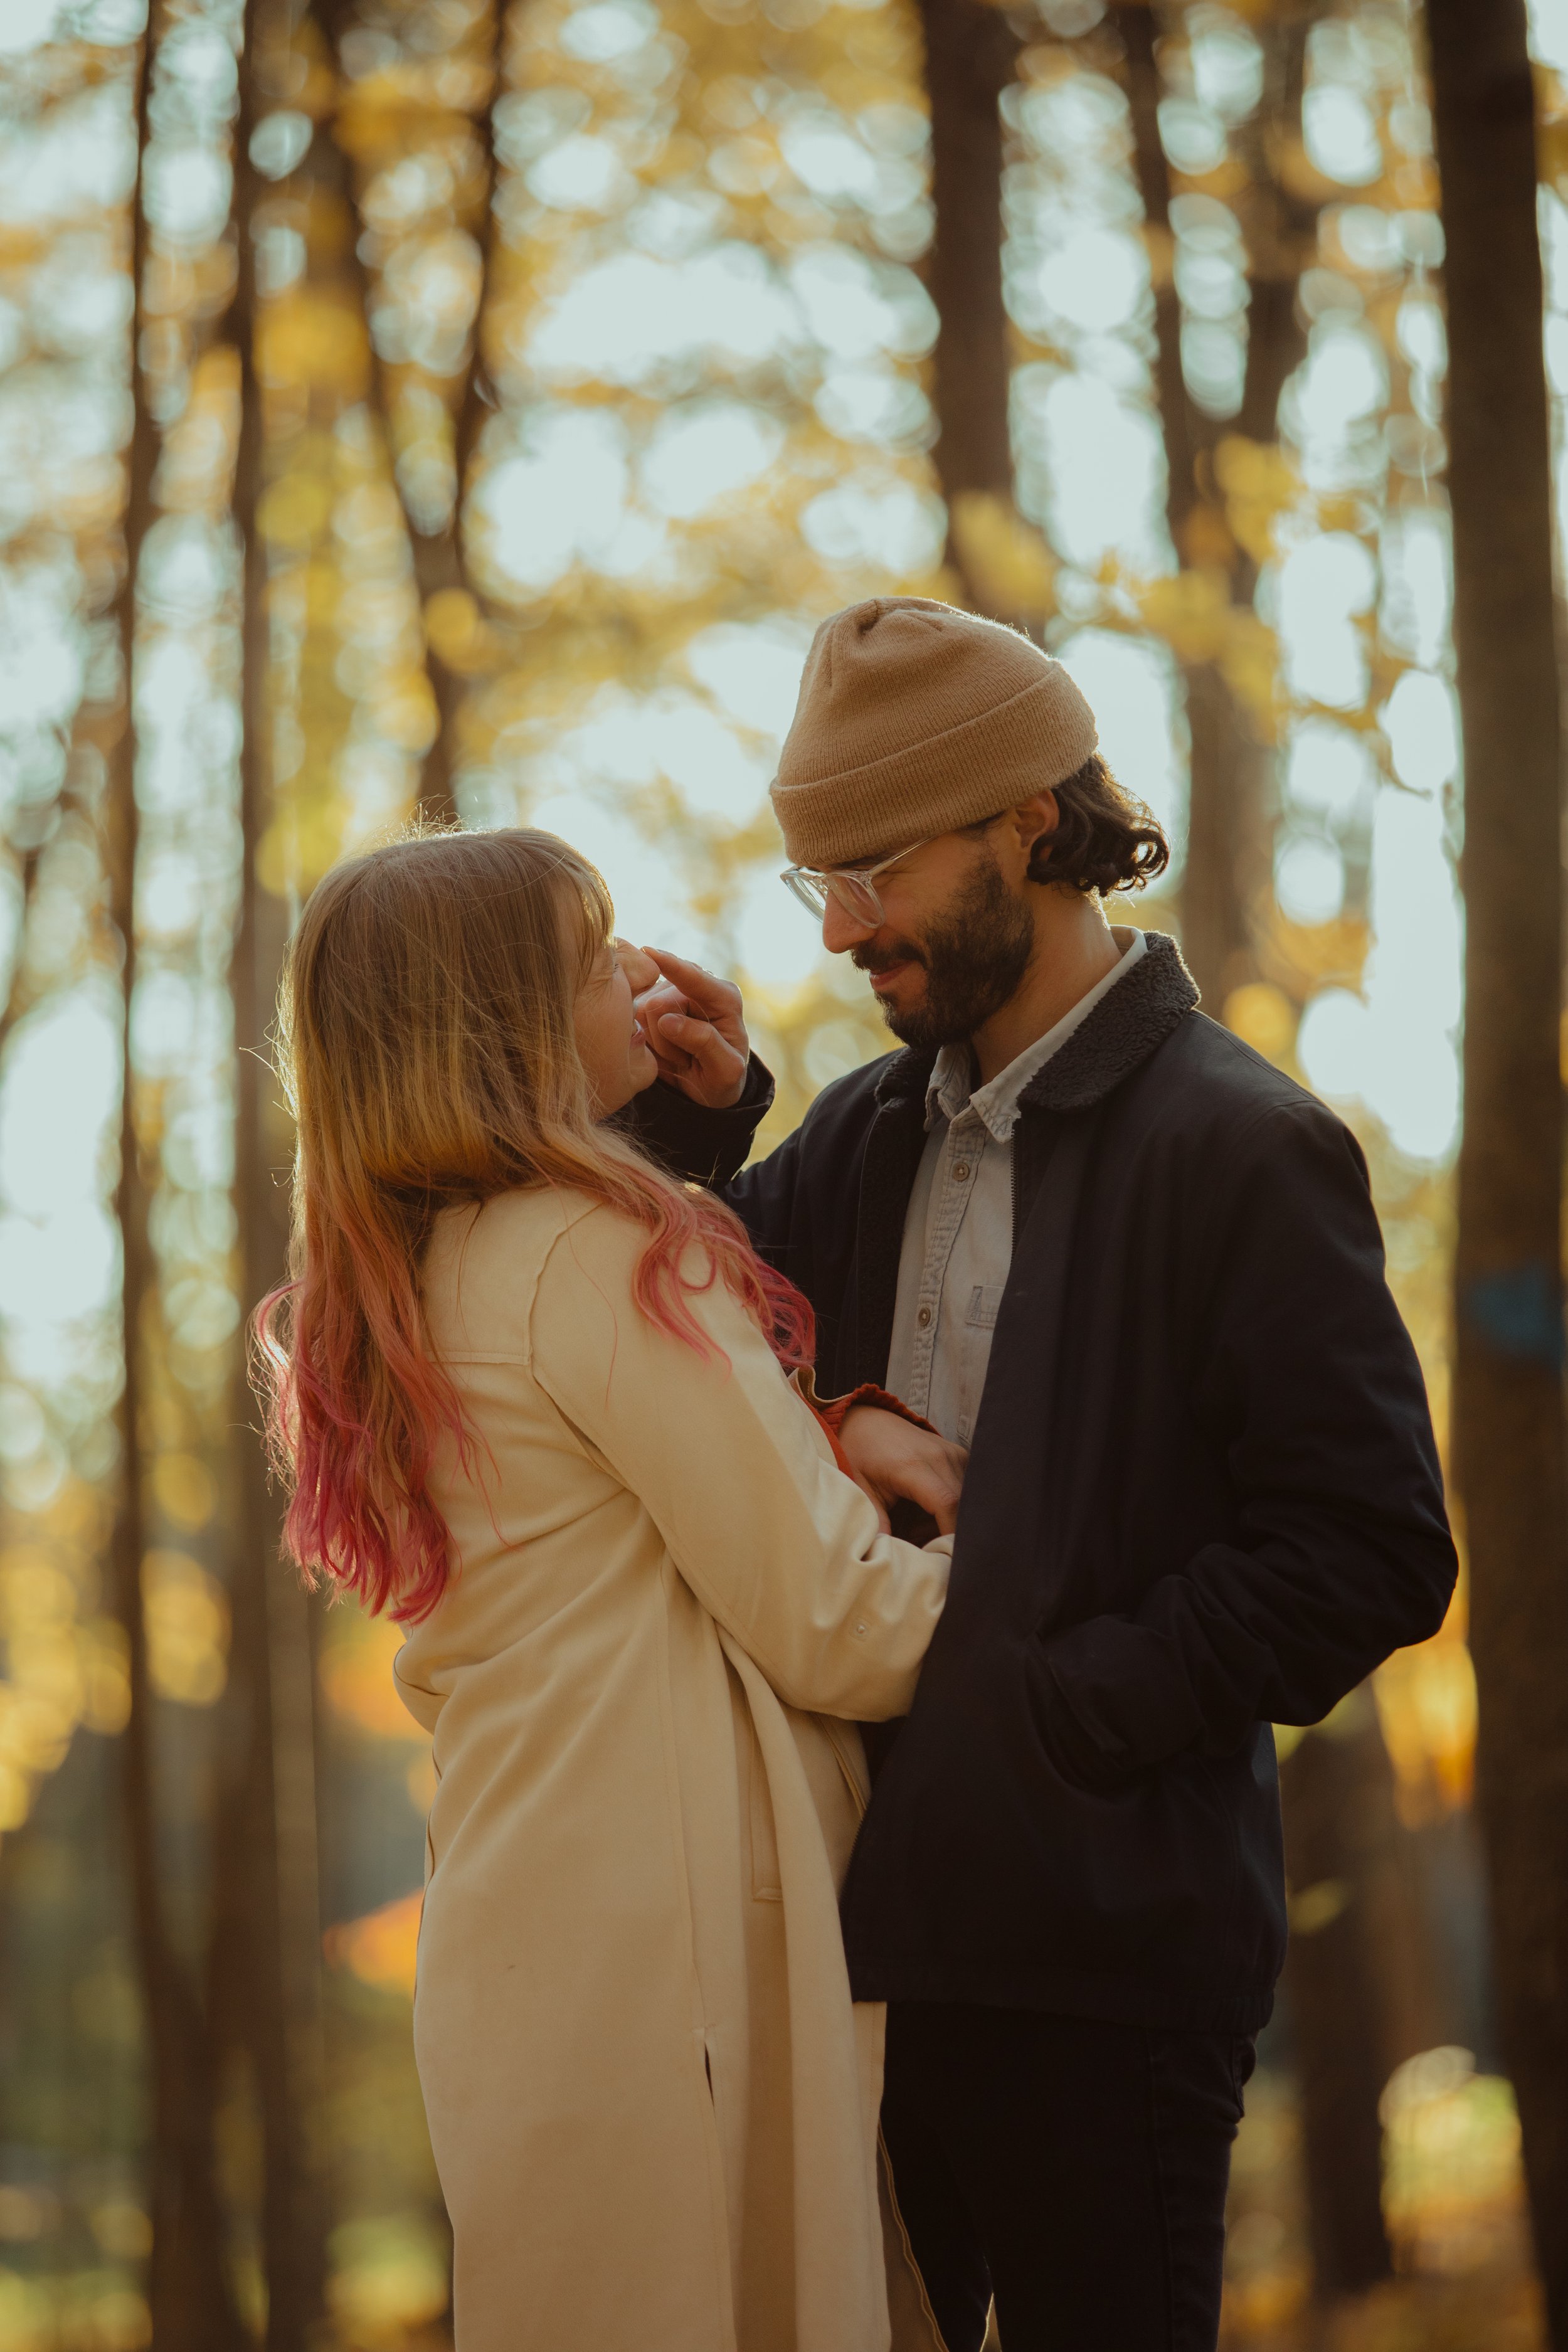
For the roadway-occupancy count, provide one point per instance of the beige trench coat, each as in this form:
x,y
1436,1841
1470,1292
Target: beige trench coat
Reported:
x,y
652,2101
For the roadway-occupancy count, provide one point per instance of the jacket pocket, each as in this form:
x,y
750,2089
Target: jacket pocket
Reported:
x,y
761,1837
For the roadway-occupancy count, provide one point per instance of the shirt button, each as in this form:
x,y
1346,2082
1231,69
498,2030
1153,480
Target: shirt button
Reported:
x,y
960,1172
923,1318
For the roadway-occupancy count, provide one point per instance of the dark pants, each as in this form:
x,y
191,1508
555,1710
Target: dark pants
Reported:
x,y
1075,2170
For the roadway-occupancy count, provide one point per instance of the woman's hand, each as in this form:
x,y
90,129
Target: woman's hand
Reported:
x,y
695,1025
891,1458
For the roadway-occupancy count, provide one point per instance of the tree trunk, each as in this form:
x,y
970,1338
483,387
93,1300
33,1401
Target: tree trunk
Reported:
x,y
972,54
1226,861
1136,24
1356,1902
1343,1981
189,2299
440,563
1509,1392
267,1936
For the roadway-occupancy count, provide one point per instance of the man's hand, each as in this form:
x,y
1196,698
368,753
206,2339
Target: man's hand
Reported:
x,y
696,1026
891,1458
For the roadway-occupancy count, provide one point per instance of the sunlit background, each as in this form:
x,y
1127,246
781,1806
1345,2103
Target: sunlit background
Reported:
x,y
651,276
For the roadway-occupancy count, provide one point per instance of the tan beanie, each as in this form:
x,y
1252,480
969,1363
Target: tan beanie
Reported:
x,y
915,718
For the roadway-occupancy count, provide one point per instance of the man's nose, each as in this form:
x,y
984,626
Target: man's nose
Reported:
x,y
840,929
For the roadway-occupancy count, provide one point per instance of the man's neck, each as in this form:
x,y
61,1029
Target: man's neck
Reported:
x,y
1074,949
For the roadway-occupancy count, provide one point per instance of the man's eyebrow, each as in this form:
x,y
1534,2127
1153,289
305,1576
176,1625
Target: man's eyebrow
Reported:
x,y
858,864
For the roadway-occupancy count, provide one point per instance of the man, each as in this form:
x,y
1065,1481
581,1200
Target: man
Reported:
x,y
1138,1272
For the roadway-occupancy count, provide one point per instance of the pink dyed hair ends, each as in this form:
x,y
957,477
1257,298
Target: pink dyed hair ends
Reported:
x,y
429,1057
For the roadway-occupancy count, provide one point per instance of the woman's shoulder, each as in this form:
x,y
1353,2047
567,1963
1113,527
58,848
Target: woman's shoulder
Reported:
x,y
486,1262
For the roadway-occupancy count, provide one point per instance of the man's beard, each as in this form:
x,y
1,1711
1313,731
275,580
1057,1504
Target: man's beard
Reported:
x,y
975,954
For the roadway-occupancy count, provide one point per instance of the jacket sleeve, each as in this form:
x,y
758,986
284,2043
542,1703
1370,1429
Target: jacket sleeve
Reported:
x,y
700,1145
1308,1385
780,1548
709,1147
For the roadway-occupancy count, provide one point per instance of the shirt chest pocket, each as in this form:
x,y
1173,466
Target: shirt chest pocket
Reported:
x,y
985,1304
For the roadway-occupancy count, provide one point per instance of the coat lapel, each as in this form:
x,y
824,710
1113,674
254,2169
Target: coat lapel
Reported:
x,y
893,1149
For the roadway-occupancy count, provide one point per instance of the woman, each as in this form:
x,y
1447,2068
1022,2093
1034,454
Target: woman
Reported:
x,y
529,1391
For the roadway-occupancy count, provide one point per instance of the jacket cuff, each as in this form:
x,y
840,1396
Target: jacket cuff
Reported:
x,y
702,1146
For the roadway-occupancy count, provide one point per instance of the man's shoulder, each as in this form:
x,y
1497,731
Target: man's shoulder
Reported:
x,y
1210,1083
1205,1053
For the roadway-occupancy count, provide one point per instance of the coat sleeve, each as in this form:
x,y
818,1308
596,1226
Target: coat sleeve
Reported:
x,y
709,1147
780,1548
1308,1387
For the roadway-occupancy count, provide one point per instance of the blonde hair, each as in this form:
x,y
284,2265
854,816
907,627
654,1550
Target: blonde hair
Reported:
x,y
430,1054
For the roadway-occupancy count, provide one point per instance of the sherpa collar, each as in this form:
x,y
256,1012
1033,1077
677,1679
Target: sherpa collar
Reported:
x,y
1126,1026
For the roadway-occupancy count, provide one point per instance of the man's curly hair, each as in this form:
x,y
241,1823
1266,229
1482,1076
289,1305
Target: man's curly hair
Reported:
x,y
1105,840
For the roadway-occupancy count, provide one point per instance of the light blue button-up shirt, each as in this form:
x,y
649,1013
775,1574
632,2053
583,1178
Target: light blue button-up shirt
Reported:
x,y
958,1229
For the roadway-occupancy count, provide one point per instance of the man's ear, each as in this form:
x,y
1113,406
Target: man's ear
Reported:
x,y
1034,819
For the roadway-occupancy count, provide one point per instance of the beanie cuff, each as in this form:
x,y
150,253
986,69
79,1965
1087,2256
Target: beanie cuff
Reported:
x,y
986,763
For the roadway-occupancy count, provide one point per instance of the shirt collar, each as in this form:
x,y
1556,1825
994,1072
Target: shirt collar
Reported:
x,y
948,1093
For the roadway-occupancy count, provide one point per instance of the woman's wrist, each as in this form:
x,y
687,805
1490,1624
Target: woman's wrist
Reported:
x,y
837,1411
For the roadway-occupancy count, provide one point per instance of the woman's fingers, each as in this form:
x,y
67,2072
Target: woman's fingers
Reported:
x,y
935,1481
876,1501
893,1457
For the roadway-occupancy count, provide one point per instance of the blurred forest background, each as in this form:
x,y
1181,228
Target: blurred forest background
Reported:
x,y
476,403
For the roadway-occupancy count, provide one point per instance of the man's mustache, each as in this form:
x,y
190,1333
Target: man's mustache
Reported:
x,y
872,958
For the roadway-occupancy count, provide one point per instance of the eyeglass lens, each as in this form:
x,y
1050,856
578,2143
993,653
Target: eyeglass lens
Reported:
x,y
858,899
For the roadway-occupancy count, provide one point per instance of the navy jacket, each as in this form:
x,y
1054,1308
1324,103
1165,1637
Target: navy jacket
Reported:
x,y
1203,1498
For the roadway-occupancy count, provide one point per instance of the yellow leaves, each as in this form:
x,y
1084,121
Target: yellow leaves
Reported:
x,y
356,1679
1451,2181
1551,126
1194,614
1005,558
1426,1705
459,635
1227,181
16,1793
1302,958
187,1629
388,2284
1263,1017
314,341
105,1677
299,845
292,512
184,1490
1299,176
1192,611
197,460
1250,662
380,1949
53,1679
1258,483
406,714
1552,149
1206,540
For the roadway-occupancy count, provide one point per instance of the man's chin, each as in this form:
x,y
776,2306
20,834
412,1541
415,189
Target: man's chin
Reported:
x,y
912,1024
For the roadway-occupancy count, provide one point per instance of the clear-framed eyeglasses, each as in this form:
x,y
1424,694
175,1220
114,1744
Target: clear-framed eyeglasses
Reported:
x,y
854,886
